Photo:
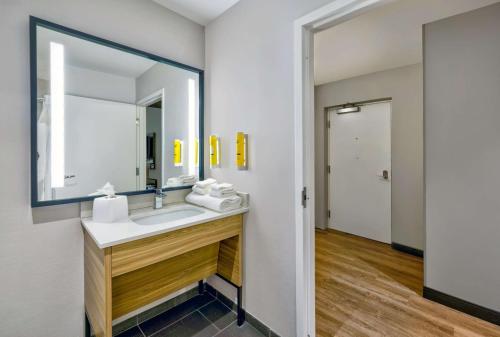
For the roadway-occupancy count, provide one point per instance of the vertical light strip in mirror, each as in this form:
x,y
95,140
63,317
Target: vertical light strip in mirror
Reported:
x,y
57,114
191,125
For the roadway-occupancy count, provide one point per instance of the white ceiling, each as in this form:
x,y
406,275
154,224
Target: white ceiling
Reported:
x,y
88,55
385,38
201,11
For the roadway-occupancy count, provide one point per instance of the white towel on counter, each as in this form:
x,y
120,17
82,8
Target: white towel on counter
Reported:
x,y
216,204
222,190
199,190
222,193
222,186
205,183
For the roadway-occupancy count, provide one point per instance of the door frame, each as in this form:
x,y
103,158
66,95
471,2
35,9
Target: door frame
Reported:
x,y
329,125
322,18
142,104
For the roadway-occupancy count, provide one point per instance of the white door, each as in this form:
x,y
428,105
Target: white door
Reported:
x,y
360,178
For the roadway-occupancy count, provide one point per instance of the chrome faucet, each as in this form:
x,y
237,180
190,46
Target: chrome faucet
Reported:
x,y
159,196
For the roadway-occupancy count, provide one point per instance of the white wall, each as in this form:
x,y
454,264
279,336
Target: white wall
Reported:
x,y
41,264
100,146
405,86
462,156
97,84
250,88
94,84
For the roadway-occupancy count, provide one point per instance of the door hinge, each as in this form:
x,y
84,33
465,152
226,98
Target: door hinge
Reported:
x,y
304,197
329,214
327,124
328,169
136,171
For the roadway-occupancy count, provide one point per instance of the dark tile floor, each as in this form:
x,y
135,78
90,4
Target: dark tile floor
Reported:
x,y
201,316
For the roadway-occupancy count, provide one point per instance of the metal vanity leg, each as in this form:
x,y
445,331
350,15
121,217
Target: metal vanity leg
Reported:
x,y
87,327
240,311
201,287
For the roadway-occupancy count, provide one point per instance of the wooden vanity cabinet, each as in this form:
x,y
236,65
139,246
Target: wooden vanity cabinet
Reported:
x,y
125,277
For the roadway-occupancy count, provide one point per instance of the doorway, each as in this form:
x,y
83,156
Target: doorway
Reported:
x,y
150,141
359,169
377,259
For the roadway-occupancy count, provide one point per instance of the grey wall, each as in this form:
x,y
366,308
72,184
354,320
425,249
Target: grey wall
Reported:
x,y
462,156
405,86
41,264
250,88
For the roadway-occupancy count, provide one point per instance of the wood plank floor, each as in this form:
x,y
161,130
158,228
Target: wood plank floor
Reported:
x,y
365,288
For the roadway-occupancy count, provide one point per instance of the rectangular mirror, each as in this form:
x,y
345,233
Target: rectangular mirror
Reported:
x,y
103,112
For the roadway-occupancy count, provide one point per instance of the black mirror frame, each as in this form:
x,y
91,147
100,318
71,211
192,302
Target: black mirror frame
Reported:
x,y
35,22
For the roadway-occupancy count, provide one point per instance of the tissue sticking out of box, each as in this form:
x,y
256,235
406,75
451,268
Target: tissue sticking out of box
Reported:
x,y
108,190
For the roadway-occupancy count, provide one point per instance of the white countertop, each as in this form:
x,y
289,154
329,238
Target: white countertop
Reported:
x,y
111,234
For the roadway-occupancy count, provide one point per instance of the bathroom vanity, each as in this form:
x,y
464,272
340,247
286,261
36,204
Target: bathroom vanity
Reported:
x,y
140,142
154,253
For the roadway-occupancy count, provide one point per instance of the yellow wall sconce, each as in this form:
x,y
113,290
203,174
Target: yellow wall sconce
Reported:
x,y
178,145
242,151
214,151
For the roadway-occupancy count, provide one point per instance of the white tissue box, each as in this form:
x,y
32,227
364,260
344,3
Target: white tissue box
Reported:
x,y
110,209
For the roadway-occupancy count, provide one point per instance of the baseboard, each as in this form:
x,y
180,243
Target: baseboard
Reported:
x,y
408,250
261,327
456,303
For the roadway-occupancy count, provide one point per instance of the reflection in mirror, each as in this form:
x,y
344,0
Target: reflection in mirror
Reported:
x,y
104,114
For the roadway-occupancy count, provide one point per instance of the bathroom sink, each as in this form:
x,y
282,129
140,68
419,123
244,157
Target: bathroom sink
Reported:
x,y
168,216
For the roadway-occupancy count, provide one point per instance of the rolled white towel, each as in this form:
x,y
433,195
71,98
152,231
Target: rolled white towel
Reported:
x,y
216,204
222,193
222,186
202,191
205,183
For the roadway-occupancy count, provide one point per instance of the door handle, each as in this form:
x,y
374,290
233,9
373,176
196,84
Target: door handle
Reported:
x,y
384,175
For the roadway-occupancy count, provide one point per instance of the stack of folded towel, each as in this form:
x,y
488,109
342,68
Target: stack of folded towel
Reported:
x,y
181,180
188,179
203,187
218,197
223,190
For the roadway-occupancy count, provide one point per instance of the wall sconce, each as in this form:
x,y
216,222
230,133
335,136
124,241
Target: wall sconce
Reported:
x,y
178,145
214,151
241,151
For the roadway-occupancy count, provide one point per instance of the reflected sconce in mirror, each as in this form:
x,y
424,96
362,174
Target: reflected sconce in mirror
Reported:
x,y
196,152
178,152
241,151
214,151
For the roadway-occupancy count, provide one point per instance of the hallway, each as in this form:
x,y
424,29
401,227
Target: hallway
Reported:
x,y
366,288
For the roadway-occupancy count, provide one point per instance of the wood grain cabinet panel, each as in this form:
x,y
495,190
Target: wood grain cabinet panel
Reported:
x,y
97,286
229,265
141,253
126,277
143,286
